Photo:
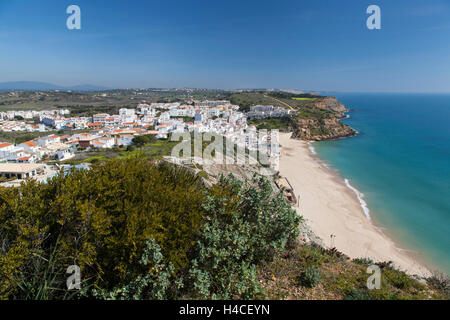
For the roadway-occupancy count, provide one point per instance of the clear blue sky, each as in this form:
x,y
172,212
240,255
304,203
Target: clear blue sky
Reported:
x,y
312,45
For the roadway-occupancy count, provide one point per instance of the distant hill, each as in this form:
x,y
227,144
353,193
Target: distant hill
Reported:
x,y
43,86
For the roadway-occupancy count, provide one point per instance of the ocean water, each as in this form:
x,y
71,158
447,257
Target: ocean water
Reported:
x,y
400,163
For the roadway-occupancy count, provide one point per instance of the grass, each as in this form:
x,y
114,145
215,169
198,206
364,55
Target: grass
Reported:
x,y
246,99
441,283
250,98
282,123
340,278
312,112
304,99
88,103
154,150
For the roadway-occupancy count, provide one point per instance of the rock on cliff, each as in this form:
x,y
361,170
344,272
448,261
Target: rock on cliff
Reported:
x,y
320,121
330,103
321,129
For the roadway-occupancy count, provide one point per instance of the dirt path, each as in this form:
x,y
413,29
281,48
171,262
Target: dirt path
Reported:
x,y
290,107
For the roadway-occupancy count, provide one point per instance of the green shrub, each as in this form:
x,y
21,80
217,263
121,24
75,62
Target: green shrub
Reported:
x,y
144,139
440,282
154,284
311,276
103,217
245,225
399,279
357,294
210,241
363,261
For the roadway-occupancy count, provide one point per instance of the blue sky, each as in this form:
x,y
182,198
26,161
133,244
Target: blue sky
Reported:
x,y
311,45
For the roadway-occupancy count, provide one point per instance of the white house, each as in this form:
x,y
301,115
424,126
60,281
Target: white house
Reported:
x,y
64,154
27,159
103,143
29,146
6,149
126,112
125,140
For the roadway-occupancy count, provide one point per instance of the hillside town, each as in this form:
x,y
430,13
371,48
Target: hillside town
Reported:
x,y
105,131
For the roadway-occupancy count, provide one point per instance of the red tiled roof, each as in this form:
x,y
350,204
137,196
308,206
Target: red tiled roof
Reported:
x,y
5,144
30,143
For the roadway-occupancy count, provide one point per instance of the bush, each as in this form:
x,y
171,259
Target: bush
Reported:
x,y
204,243
144,139
398,279
154,284
363,261
440,282
103,218
356,294
245,225
311,276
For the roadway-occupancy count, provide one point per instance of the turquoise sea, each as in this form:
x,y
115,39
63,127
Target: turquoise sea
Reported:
x,y
400,161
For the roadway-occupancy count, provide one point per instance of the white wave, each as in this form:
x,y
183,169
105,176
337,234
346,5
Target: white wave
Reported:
x,y
402,250
311,148
360,197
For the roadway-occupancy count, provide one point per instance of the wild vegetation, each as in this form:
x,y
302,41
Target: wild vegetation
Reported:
x,y
109,101
132,223
283,123
18,137
308,271
317,117
141,229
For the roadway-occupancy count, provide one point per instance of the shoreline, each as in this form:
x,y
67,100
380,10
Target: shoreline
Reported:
x,y
334,209
400,247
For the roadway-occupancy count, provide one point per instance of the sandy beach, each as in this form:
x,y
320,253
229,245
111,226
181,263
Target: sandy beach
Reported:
x,y
333,211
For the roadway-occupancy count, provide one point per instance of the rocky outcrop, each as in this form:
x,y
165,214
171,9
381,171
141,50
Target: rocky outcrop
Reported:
x,y
321,129
330,103
320,121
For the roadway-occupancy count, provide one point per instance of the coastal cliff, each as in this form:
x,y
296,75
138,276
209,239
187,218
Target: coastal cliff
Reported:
x,y
316,117
330,103
320,121
320,129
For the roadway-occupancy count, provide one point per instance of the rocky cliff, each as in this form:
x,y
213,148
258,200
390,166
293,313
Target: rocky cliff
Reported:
x,y
320,129
320,121
330,103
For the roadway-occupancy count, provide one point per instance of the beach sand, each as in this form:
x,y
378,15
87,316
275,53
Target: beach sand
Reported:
x,y
331,208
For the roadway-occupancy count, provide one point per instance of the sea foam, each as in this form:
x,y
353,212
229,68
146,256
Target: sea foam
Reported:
x,y
360,197
311,148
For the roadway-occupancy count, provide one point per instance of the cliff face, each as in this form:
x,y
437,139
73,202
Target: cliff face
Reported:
x,y
330,103
320,129
320,121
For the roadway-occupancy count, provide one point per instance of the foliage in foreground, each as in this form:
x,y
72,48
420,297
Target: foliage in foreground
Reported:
x,y
139,230
295,275
245,226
